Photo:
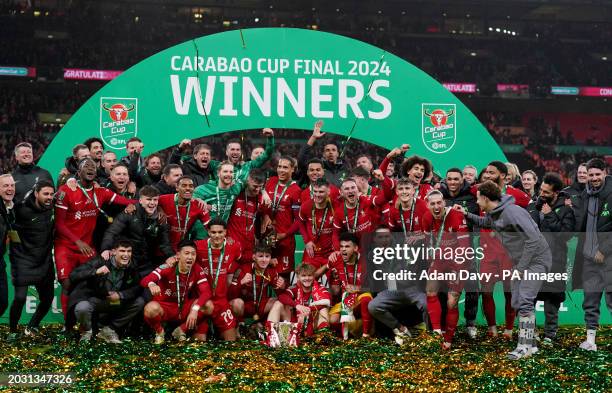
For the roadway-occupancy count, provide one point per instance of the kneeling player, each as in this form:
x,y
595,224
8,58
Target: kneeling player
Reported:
x,y
180,294
347,272
306,303
219,257
251,288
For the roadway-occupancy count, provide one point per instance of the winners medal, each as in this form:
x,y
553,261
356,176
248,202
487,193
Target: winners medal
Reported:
x,y
109,219
270,238
256,317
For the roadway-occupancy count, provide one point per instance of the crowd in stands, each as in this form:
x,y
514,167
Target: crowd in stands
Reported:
x,y
120,35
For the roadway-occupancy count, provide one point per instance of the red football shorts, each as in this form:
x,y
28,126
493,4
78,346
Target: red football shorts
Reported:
x,y
66,260
222,317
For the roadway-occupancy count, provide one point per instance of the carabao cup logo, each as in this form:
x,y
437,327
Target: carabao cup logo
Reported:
x,y
118,120
439,127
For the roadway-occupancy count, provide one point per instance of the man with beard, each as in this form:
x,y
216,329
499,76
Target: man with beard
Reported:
x,y
182,211
315,171
284,213
26,174
593,265
76,213
219,195
96,150
7,221
317,218
169,179
246,212
556,222
108,288
529,252
456,191
234,156
198,165
119,183
31,255
336,170
446,229
150,238
497,172
152,171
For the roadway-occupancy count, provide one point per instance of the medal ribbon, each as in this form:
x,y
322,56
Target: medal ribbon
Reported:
x,y
210,264
354,229
182,230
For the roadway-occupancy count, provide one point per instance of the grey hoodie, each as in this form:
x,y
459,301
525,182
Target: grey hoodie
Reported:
x,y
518,233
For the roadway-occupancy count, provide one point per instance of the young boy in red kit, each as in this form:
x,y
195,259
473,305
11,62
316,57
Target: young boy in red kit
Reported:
x,y
306,303
180,294
219,257
251,288
347,273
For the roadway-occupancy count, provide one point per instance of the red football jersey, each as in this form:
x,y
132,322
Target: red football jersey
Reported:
x,y
193,285
334,193
284,200
231,259
317,297
395,219
423,190
520,198
320,233
346,274
180,224
76,213
241,223
359,220
264,284
455,230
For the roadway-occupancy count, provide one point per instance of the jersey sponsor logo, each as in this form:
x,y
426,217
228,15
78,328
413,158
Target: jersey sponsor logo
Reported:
x,y
118,120
439,126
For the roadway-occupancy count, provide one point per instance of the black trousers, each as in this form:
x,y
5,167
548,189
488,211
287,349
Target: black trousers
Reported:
x,y
45,295
3,287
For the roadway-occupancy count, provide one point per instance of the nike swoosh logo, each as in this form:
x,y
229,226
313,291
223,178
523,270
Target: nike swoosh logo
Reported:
x,y
77,203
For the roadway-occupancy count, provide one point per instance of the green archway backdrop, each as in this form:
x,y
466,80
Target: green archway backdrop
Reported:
x,y
280,78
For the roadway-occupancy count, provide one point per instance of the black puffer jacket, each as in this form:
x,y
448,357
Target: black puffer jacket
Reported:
x,y
4,228
557,228
164,188
25,177
464,198
191,168
147,234
30,258
86,283
604,233
574,192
